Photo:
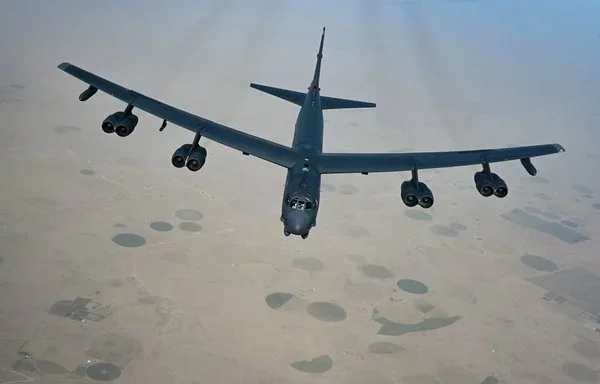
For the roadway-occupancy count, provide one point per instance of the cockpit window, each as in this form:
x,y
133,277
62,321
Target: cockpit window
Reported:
x,y
300,203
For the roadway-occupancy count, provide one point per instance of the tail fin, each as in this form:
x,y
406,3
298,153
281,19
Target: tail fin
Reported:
x,y
315,82
299,98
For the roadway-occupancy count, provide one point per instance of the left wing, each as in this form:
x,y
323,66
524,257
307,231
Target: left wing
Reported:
x,y
244,142
396,162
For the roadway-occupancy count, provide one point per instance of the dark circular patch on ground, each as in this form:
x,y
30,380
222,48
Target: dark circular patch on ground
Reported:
x,y
189,226
412,286
533,210
539,180
354,230
189,215
551,215
583,189
60,129
596,205
459,226
17,86
539,263
348,190
309,264
543,196
444,230
326,312
587,349
87,172
569,223
319,364
161,226
579,372
130,240
278,299
327,187
375,271
103,372
417,214
50,367
384,347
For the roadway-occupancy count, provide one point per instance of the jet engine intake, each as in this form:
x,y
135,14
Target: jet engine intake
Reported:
x,y
425,196
408,193
500,188
180,155
109,124
484,183
196,159
126,125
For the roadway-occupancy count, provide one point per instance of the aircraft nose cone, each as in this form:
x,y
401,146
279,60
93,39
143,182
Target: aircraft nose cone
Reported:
x,y
298,223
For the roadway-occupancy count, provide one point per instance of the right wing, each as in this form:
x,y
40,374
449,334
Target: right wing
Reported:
x,y
397,162
244,142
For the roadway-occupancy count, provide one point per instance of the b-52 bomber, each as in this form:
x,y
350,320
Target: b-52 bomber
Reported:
x,y
304,160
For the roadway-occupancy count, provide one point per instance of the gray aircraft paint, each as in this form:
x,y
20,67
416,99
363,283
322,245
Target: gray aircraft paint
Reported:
x,y
304,160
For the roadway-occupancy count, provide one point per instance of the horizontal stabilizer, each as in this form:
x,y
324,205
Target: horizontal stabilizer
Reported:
x,y
335,103
298,98
285,94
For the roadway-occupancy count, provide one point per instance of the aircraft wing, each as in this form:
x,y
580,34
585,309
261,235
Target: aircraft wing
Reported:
x,y
396,162
244,142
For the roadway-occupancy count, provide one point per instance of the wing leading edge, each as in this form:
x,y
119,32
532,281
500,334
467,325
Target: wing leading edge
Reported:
x,y
329,163
249,144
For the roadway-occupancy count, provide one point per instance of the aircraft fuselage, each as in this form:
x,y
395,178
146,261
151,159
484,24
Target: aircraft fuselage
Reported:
x,y
301,194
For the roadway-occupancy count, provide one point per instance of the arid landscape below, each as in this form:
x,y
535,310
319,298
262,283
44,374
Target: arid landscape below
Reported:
x,y
116,266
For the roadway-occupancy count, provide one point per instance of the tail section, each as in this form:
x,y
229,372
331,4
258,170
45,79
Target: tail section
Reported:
x,y
315,82
299,98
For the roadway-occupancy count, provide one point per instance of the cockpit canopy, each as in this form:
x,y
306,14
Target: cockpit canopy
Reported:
x,y
300,203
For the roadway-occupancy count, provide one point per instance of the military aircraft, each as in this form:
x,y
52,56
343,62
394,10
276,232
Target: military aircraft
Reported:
x,y
304,160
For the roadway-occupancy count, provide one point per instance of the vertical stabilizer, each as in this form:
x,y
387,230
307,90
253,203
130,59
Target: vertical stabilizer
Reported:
x,y
315,81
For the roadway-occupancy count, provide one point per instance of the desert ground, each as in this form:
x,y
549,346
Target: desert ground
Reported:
x,y
116,266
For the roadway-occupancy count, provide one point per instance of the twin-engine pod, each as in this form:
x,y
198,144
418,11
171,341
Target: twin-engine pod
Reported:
x,y
488,184
122,122
414,192
189,155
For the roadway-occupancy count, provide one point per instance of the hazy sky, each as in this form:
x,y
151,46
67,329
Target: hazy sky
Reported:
x,y
481,65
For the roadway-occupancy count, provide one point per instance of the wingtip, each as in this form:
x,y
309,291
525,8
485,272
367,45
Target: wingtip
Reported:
x,y
323,30
64,65
559,148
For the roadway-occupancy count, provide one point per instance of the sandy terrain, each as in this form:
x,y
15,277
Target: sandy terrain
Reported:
x,y
116,266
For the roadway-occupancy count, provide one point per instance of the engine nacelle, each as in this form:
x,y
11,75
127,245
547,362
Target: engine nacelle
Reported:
x,y
126,125
425,196
196,159
500,188
109,124
484,183
180,156
409,193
